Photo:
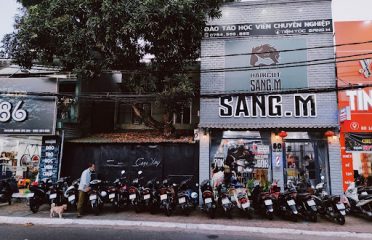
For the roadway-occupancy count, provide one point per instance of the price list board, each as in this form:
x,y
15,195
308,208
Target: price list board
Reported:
x,y
50,162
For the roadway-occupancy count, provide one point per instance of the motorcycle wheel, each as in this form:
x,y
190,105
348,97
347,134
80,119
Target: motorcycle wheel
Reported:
x,y
137,209
270,215
212,214
34,207
228,214
340,220
294,218
10,202
95,210
314,218
168,211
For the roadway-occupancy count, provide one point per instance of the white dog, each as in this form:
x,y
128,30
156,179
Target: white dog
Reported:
x,y
57,209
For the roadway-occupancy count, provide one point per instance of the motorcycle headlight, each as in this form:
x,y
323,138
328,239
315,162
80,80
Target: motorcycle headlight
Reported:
x,y
103,194
194,195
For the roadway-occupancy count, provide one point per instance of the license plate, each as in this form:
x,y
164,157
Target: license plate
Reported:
x,y
225,201
364,193
181,200
340,206
92,197
53,196
132,196
112,195
163,197
311,203
245,205
31,195
268,202
291,202
71,198
147,196
208,200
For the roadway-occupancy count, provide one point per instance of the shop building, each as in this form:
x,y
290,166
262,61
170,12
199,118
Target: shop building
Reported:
x,y
258,98
355,105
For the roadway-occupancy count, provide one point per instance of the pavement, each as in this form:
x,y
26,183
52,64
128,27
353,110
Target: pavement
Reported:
x,y
19,213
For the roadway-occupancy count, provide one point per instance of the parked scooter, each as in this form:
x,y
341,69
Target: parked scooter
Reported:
x,y
122,195
286,204
72,194
263,202
209,204
239,196
223,199
167,197
39,194
305,202
7,188
361,204
186,197
96,195
134,193
57,190
332,207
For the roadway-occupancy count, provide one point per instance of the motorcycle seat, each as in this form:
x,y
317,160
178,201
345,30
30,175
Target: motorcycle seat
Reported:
x,y
364,197
303,195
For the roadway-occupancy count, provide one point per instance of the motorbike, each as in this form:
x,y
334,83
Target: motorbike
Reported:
x,y
209,204
7,188
167,196
39,194
331,207
122,194
149,196
239,196
286,204
97,195
361,204
223,199
263,202
187,198
57,190
72,194
134,193
305,202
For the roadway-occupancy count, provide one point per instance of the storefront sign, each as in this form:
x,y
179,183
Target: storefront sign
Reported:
x,y
25,114
242,71
358,142
49,163
271,28
266,106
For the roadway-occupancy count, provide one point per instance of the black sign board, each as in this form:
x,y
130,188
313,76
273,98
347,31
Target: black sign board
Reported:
x,y
49,162
358,142
270,28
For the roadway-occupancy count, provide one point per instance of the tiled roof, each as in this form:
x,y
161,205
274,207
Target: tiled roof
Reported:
x,y
133,137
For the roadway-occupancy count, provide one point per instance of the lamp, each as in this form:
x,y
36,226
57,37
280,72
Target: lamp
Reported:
x,y
283,134
329,133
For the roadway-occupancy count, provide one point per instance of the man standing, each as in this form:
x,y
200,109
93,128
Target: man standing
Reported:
x,y
84,187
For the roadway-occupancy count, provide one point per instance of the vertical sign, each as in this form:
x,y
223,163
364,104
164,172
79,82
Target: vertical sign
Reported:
x,y
49,163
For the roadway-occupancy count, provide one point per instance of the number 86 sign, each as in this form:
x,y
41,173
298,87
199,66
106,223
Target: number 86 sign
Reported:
x,y
7,112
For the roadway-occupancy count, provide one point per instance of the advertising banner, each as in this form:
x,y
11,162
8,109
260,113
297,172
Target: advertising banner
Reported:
x,y
355,105
50,161
24,114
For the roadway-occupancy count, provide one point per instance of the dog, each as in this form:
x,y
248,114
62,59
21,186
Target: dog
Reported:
x,y
57,209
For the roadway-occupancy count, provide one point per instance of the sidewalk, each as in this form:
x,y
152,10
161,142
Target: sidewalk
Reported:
x,y
19,213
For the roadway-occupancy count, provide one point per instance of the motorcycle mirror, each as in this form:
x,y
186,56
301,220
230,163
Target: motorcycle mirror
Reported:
x,y
322,177
139,172
197,184
122,172
174,184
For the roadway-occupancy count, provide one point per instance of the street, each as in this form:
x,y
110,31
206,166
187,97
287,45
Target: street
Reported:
x,y
39,232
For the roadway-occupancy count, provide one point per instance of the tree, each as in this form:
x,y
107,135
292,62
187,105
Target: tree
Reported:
x,y
88,36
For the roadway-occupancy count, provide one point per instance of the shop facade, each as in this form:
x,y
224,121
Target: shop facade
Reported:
x,y
355,105
260,92
28,145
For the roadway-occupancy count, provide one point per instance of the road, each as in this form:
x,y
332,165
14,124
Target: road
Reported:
x,y
39,232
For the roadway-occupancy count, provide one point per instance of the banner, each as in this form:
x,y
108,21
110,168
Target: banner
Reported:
x,y
50,158
358,142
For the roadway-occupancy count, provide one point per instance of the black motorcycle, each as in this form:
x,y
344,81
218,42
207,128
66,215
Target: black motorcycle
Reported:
x,y
135,193
167,197
39,194
97,195
121,199
224,200
57,190
263,202
7,188
187,197
286,205
306,202
72,194
209,204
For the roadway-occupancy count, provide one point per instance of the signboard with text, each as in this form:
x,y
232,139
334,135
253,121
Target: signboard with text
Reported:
x,y
50,161
23,111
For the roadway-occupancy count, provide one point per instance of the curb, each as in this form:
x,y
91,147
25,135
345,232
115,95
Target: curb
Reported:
x,y
184,226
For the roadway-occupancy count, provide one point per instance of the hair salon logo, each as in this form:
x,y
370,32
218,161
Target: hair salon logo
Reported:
x,y
366,67
264,55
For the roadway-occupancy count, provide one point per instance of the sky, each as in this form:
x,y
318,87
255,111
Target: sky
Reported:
x,y
343,10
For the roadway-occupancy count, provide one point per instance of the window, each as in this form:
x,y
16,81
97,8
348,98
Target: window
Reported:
x,y
184,115
128,116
